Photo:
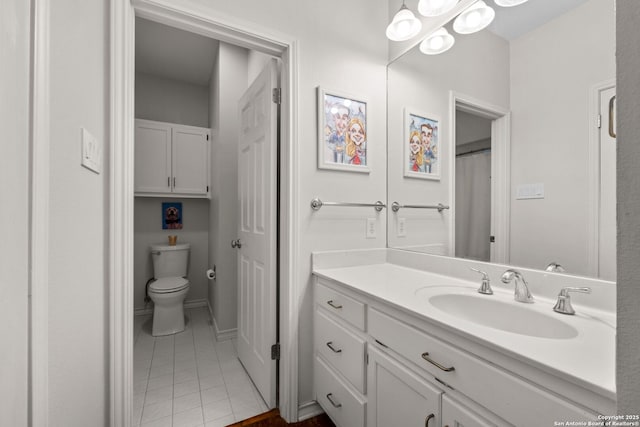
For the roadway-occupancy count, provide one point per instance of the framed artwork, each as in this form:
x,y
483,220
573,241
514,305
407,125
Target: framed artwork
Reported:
x,y
421,145
171,216
342,132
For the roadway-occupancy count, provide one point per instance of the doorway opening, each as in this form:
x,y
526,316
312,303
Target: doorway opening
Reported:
x,y
481,133
122,190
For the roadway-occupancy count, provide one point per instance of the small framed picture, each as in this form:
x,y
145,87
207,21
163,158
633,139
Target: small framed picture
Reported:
x,y
421,145
342,132
171,216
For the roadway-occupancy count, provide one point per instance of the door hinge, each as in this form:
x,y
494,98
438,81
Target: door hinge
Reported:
x,y
599,121
492,239
277,95
366,358
275,352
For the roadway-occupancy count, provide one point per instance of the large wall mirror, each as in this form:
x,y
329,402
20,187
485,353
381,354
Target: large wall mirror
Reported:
x,y
512,132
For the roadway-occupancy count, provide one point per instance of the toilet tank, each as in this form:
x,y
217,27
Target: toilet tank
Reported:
x,y
170,261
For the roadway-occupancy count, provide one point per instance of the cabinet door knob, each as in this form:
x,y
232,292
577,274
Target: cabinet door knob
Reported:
x,y
330,399
429,418
335,350
332,304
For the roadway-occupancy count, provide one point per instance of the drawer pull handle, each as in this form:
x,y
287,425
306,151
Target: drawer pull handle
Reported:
x,y
330,345
429,418
426,357
337,307
335,405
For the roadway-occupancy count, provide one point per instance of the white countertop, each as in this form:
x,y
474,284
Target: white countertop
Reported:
x,y
587,359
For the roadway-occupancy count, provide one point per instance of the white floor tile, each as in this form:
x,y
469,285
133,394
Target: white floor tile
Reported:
x,y
191,418
189,379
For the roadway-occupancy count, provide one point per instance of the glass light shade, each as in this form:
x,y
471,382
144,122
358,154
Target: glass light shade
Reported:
x,y
404,26
509,3
435,7
474,18
438,42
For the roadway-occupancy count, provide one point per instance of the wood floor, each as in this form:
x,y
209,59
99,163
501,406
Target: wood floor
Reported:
x,y
273,419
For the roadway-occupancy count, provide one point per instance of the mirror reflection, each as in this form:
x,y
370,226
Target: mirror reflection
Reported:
x,y
525,152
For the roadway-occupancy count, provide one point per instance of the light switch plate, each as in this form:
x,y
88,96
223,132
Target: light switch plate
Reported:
x,y
371,228
91,151
530,191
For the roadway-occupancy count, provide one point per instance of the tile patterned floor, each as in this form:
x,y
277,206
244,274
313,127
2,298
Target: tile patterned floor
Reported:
x,y
189,379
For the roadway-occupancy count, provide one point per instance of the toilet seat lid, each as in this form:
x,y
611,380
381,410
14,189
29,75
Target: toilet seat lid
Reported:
x,y
168,284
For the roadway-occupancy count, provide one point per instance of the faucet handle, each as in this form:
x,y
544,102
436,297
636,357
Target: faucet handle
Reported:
x,y
563,305
485,287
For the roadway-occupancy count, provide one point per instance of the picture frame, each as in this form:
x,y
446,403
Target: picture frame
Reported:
x,y
172,216
421,133
342,132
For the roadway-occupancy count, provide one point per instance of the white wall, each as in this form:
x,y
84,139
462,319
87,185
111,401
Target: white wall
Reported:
x,y
173,101
552,70
78,235
628,131
148,231
423,84
229,81
14,193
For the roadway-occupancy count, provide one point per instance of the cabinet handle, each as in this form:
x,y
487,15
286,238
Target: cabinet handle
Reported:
x,y
429,418
330,345
335,405
168,181
337,307
174,181
426,357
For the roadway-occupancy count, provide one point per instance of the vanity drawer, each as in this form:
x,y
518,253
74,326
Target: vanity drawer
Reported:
x,y
341,305
511,398
341,348
343,405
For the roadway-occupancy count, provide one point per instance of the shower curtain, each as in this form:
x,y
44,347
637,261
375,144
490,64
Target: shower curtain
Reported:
x,y
473,206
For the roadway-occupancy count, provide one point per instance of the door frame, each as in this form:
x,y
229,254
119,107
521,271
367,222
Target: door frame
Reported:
x,y
593,177
121,193
500,170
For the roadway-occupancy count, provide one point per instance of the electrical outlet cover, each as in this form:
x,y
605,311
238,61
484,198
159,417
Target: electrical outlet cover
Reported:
x,y
91,152
371,228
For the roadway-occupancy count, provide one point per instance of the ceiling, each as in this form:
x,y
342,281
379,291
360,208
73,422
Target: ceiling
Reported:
x,y
171,53
512,22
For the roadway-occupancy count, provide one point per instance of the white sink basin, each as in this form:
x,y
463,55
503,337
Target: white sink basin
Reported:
x,y
512,316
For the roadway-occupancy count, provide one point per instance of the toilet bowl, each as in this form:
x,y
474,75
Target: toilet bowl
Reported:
x,y
168,296
169,288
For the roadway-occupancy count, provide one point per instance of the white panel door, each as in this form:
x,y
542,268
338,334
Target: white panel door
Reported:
x,y
257,147
152,157
190,160
607,210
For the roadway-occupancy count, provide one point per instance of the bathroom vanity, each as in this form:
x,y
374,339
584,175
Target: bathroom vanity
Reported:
x,y
405,339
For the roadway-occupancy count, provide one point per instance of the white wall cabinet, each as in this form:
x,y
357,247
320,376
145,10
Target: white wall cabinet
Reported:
x,y
171,159
377,366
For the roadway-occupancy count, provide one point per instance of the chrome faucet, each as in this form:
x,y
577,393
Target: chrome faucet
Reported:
x,y
554,267
522,293
563,305
485,287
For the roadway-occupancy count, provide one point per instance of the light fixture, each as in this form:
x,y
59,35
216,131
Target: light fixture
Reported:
x,y
438,42
474,18
404,26
509,3
435,7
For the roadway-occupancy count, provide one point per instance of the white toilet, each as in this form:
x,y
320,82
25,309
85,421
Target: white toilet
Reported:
x,y
170,287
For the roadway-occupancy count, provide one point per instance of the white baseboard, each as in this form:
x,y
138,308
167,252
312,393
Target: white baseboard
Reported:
x,y
309,410
224,335
188,304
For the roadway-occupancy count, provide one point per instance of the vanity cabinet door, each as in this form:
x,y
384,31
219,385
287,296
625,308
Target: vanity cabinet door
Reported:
x,y
398,396
455,414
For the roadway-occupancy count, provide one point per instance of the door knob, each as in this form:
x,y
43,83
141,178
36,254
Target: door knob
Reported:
x,y
236,244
